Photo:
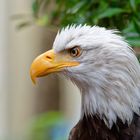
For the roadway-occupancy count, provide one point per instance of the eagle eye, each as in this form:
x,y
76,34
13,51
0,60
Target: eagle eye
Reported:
x,y
75,51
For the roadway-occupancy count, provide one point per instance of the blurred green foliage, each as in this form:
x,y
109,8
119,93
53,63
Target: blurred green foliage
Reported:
x,y
123,15
49,126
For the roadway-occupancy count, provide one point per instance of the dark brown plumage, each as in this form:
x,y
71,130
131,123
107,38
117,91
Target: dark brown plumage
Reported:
x,y
93,128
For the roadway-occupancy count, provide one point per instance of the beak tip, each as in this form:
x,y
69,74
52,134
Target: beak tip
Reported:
x,y
33,78
34,82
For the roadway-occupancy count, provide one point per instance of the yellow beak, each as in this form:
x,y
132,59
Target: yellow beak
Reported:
x,y
49,62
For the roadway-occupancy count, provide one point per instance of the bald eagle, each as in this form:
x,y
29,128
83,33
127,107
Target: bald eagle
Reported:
x,y
106,71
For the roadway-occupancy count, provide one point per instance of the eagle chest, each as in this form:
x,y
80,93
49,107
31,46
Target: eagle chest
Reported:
x,y
92,128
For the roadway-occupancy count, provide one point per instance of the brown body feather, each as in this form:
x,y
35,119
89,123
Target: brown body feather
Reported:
x,y
93,128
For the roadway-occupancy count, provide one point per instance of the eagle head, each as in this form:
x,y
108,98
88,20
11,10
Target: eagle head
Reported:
x,y
102,65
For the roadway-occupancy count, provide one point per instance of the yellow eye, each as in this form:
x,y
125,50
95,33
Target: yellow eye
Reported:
x,y
75,51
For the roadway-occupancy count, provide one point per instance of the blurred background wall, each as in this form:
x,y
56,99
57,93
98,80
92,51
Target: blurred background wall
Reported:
x,y
4,128
20,100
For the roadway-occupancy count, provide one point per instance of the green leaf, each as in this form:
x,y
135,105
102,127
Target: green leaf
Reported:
x,y
133,4
76,8
137,2
137,24
110,12
35,7
42,125
129,28
42,21
135,42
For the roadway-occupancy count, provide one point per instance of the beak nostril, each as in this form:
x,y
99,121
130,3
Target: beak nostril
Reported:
x,y
48,57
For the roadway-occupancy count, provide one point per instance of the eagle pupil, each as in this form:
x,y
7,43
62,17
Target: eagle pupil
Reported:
x,y
74,52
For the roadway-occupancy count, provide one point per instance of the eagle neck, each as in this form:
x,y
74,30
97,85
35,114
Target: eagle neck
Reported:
x,y
96,104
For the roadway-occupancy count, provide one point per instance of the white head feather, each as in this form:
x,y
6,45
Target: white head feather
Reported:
x,y
108,75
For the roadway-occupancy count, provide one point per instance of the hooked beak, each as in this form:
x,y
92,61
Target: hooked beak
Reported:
x,y
49,62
